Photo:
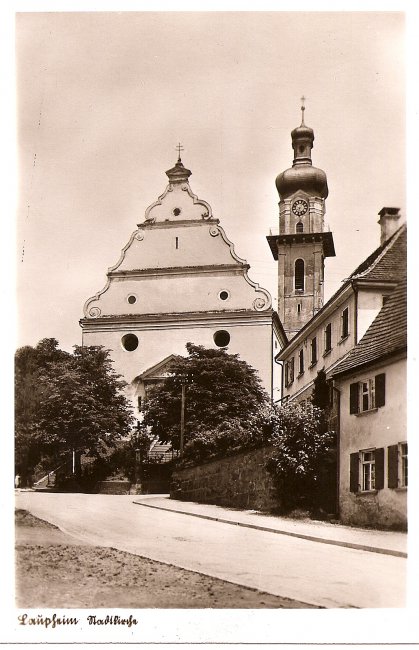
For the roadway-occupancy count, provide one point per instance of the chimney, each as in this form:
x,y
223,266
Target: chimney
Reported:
x,y
389,222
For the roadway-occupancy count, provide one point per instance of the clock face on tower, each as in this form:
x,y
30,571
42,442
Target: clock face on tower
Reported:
x,y
299,207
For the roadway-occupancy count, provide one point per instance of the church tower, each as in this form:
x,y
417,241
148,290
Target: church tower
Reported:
x,y
302,245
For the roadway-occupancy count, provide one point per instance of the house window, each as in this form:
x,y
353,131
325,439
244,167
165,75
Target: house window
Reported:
x,y
177,243
367,470
385,298
397,465
345,323
289,372
367,394
299,275
301,362
313,351
299,227
139,402
403,464
328,338
299,308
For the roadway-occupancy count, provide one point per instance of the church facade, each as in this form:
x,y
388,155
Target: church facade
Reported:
x,y
179,280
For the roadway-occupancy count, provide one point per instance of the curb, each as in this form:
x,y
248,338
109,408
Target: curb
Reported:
x,y
311,538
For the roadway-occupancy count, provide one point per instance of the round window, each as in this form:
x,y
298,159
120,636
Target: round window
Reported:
x,y
177,212
221,338
129,342
223,295
132,299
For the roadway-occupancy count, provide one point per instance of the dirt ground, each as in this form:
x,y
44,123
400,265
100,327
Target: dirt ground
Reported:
x,y
55,570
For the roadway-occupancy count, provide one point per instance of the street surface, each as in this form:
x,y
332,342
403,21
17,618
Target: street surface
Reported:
x,y
312,572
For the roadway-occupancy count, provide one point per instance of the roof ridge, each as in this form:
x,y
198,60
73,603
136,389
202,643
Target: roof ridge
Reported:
x,y
387,246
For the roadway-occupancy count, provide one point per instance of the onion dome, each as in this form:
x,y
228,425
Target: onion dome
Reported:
x,y
302,175
178,173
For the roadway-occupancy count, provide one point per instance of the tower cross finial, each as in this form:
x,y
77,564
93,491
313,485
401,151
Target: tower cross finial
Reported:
x,y
179,149
303,108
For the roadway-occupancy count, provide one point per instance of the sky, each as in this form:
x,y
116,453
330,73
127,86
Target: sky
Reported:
x,y
103,98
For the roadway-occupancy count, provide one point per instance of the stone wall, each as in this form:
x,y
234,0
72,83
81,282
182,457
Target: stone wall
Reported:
x,y
239,481
113,487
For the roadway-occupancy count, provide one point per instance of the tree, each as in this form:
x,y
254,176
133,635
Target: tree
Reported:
x,y
223,393
66,402
302,449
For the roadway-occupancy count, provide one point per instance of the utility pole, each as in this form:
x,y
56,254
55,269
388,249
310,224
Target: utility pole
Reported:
x,y
182,416
184,380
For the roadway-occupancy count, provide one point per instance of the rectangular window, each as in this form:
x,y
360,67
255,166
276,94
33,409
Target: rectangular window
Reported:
x,y
345,323
367,395
289,371
177,242
367,459
313,351
403,473
328,338
367,470
301,362
397,467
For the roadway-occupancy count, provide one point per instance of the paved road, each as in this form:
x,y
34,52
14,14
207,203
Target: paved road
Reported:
x,y
311,572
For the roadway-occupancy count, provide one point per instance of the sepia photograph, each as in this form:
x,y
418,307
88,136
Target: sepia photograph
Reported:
x,y
210,359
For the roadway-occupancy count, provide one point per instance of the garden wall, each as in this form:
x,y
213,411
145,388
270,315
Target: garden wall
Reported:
x,y
239,481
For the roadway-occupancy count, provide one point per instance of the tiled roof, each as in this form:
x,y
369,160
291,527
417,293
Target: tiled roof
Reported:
x,y
387,334
386,262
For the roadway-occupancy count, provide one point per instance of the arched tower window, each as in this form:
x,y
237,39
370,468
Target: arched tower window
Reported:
x,y
299,227
299,275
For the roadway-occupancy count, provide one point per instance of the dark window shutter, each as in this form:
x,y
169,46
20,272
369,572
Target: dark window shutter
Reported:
x,y
354,398
380,390
393,464
354,473
379,468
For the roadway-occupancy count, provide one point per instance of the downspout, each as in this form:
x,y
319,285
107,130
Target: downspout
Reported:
x,y
281,363
272,361
355,290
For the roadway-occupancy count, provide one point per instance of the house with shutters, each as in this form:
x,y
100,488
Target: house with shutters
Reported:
x,y
373,450
330,335
364,308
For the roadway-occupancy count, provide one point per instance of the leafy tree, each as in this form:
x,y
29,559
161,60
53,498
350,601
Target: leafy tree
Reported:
x,y
302,450
222,395
66,402
320,396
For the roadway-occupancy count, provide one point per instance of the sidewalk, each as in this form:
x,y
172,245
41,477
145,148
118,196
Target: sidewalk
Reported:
x,y
375,541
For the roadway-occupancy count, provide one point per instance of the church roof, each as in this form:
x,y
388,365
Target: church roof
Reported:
x,y
386,336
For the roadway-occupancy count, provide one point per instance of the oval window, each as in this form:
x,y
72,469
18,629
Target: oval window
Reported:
x,y
129,342
221,338
132,299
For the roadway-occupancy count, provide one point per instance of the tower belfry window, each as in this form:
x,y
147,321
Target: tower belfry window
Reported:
x,y
299,227
299,275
